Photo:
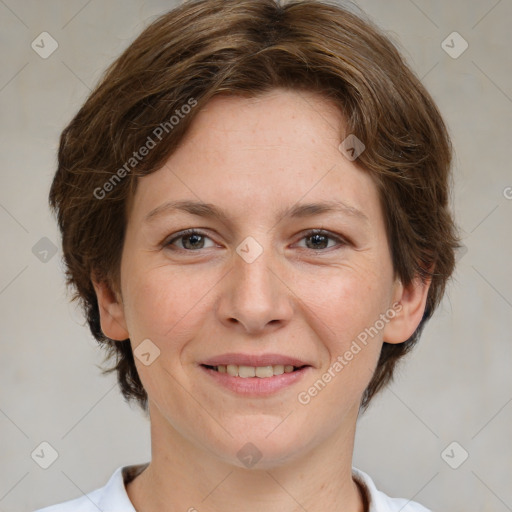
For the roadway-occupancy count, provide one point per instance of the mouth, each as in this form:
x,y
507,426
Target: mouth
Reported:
x,y
261,372
255,375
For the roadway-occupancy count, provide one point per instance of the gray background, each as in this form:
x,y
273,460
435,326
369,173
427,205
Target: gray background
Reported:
x,y
456,386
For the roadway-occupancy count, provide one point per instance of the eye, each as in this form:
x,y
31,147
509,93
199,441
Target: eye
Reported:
x,y
320,239
191,239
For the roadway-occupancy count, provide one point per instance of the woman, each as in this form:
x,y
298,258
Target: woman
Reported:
x,y
254,211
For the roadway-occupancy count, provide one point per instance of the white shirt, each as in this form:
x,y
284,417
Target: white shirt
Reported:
x,y
114,498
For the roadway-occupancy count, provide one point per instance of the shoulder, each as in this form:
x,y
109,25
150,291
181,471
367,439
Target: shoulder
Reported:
x,y
381,502
112,496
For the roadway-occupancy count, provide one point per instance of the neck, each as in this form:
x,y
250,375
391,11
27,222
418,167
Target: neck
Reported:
x,y
185,476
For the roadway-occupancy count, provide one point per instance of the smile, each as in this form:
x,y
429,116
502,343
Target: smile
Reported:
x,y
261,372
254,381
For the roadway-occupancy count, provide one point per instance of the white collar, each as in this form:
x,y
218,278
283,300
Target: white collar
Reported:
x,y
114,498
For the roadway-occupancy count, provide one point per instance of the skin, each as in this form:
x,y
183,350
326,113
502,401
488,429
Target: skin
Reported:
x,y
251,158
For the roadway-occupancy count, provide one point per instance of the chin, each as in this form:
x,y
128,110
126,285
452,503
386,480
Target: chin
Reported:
x,y
261,449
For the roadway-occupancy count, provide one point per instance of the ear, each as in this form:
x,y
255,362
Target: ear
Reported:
x,y
412,299
113,323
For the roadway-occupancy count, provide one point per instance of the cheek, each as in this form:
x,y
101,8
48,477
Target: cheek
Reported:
x,y
348,302
347,316
163,303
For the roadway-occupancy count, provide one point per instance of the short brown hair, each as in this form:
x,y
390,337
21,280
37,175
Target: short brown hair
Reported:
x,y
247,47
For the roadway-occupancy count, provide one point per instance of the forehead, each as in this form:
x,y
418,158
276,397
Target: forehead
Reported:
x,y
280,116
253,155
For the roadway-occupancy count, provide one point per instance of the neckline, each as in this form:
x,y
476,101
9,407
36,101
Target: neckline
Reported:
x,y
364,494
129,473
132,472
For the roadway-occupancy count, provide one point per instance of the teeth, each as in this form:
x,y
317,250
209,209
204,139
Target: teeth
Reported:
x,y
264,371
278,369
232,369
246,371
254,371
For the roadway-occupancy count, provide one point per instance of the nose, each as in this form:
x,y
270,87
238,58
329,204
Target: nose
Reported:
x,y
256,296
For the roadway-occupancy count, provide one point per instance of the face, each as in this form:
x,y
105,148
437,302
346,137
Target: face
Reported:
x,y
266,283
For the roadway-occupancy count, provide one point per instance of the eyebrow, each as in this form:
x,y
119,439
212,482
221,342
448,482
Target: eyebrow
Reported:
x,y
296,211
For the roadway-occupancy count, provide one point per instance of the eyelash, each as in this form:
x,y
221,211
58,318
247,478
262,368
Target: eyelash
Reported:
x,y
309,233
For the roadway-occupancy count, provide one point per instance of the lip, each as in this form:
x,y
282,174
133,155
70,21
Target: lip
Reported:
x,y
254,360
255,386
